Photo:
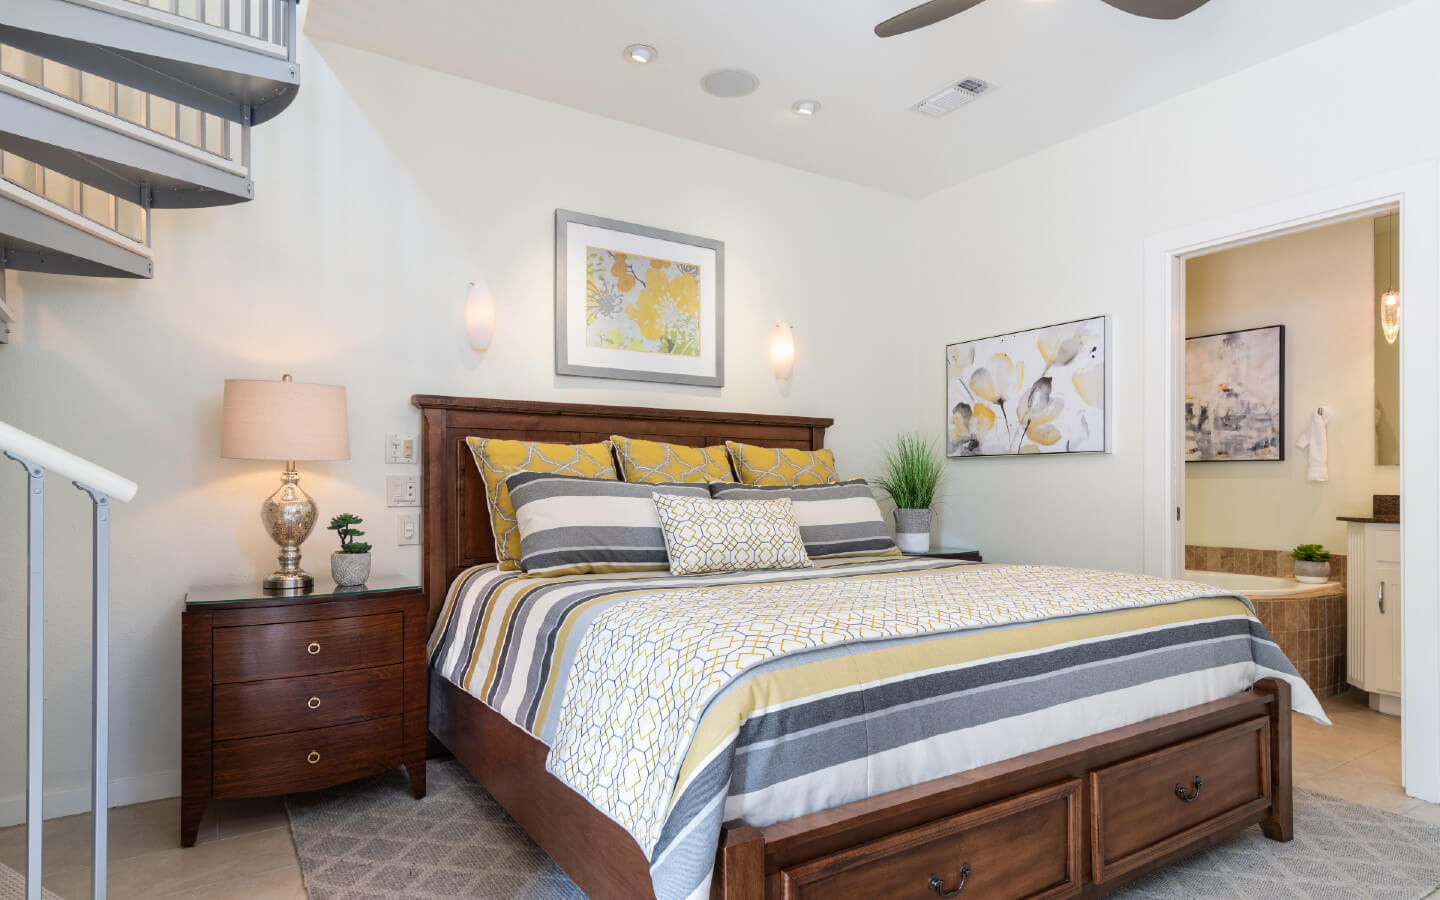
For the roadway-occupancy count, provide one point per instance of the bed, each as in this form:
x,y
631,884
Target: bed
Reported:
x,y
1059,796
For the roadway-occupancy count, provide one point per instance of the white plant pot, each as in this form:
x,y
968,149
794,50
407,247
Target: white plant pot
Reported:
x,y
349,569
912,530
1312,572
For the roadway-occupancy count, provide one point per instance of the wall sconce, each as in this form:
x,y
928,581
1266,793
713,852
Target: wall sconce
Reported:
x,y
782,350
479,315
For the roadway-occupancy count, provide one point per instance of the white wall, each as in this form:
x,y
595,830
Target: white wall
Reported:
x,y
1061,234
380,194
387,187
1320,285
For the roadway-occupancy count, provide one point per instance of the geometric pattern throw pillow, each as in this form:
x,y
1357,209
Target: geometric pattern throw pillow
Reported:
x,y
786,466
729,535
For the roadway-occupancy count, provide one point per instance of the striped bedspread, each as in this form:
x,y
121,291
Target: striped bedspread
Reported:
x,y
675,703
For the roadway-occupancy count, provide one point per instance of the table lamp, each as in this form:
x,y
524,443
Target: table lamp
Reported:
x,y
285,420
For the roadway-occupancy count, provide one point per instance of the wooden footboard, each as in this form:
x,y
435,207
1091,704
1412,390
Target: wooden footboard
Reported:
x,y
1078,820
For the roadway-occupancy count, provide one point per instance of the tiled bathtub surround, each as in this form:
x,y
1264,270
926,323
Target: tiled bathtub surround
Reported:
x,y
1309,627
1247,561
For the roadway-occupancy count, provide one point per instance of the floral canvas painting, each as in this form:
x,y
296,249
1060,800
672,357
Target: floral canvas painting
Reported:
x,y
638,302
1235,396
1030,392
642,304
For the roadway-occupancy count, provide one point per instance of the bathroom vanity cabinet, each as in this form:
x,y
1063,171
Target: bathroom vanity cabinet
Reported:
x,y
1376,608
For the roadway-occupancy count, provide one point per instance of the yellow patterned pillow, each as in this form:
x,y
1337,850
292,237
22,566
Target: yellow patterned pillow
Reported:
x,y
765,465
651,462
498,458
729,535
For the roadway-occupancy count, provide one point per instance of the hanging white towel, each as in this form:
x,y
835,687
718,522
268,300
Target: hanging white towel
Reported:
x,y
1313,438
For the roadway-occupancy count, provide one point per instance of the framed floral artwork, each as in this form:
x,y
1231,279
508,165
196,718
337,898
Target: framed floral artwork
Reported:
x,y
638,303
1029,392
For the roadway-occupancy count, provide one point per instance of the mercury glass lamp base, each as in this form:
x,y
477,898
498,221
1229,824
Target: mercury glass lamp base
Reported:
x,y
289,581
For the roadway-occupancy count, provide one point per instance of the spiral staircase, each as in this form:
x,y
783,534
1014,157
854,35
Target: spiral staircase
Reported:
x,y
112,108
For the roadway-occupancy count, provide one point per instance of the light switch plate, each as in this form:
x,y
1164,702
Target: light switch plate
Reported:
x,y
400,448
402,490
407,529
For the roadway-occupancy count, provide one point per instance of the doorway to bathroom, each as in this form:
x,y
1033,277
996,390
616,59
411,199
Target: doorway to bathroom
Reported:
x,y
1294,506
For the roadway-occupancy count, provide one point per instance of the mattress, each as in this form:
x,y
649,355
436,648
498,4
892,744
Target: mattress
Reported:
x,y
675,703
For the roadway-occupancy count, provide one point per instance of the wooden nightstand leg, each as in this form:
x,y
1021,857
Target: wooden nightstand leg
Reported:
x,y
415,768
192,810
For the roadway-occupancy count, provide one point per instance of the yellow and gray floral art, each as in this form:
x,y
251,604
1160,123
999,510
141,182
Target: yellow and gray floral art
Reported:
x,y
993,410
641,303
369,840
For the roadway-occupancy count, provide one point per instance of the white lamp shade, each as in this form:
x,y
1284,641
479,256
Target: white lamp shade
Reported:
x,y
782,350
480,315
284,420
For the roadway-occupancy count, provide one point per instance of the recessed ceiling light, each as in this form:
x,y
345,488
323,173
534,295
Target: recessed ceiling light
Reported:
x,y
730,82
805,107
641,53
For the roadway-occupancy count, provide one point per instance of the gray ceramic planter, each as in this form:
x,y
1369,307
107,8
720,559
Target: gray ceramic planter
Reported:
x,y
912,530
349,569
1311,572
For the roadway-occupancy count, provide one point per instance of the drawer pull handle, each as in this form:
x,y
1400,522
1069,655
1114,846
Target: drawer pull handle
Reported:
x,y
313,758
1185,795
313,703
1382,598
313,649
937,884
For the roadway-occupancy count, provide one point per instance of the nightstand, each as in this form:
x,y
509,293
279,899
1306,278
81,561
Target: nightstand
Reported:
x,y
951,553
295,693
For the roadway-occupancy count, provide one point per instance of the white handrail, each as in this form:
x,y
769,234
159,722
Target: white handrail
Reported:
x,y
63,462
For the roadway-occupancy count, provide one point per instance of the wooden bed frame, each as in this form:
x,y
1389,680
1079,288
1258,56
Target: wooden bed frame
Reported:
x,y
1077,820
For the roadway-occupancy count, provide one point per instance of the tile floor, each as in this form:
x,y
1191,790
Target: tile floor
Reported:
x,y
245,849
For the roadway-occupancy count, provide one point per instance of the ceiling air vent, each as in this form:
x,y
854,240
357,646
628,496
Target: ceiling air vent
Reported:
x,y
952,97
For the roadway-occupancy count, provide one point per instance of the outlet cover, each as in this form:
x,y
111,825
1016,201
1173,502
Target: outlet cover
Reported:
x,y
400,448
402,490
407,529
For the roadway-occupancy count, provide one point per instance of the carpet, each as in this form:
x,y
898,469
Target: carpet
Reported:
x,y
12,885
370,840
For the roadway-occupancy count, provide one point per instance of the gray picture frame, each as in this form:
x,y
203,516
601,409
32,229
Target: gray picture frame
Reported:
x,y
563,366
1195,449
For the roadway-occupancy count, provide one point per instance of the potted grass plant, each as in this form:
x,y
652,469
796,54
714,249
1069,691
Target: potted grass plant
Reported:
x,y
1312,564
350,565
911,477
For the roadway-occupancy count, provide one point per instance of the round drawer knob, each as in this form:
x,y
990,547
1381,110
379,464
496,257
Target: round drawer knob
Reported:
x,y
313,703
313,758
313,649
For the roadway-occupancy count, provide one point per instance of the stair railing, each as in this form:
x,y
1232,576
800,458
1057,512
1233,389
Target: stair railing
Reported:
x,y
101,485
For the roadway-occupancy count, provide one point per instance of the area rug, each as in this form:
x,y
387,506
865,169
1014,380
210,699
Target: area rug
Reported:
x,y
12,885
370,841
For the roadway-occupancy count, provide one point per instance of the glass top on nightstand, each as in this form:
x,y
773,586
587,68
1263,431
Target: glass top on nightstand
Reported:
x,y
324,588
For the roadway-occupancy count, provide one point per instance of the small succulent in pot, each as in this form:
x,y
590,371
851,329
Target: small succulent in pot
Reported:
x,y
1312,564
913,469
350,565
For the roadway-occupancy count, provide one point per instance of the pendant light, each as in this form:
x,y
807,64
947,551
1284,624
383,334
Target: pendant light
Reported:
x,y
1390,301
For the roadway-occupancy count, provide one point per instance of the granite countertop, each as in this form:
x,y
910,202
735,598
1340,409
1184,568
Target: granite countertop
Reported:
x,y
1384,510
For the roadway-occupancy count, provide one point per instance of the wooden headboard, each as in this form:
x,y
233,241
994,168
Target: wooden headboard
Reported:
x,y
456,532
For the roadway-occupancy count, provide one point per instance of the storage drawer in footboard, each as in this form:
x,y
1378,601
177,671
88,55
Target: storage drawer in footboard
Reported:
x,y
1145,808
1025,847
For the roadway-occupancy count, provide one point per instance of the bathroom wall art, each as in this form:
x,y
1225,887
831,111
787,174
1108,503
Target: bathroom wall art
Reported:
x,y
1235,396
1040,391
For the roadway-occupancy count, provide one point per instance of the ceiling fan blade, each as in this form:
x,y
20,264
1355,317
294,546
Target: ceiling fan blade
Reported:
x,y
922,15
1158,9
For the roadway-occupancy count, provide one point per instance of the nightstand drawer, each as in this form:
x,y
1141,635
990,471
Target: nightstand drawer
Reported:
x,y
254,652
306,760
254,708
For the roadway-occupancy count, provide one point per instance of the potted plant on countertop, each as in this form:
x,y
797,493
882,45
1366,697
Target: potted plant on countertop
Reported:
x,y
913,469
1312,564
350,565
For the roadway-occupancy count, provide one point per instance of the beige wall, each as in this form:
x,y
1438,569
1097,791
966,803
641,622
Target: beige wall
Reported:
x,y
1319,285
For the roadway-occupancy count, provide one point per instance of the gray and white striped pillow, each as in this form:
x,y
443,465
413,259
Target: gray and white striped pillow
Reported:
x,y
835,520
571,525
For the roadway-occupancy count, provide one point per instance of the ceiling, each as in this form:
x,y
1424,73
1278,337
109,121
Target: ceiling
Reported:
x,y
1060,67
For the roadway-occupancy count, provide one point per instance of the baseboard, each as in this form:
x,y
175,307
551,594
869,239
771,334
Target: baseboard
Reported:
x,y
69,801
